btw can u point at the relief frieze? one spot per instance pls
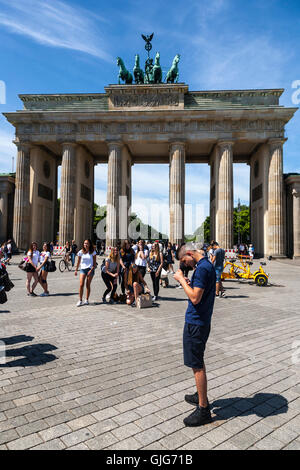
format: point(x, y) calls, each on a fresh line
point(100, 128)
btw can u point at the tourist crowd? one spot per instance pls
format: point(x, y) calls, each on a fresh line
point(124, 267)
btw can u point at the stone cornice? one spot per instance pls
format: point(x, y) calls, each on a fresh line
point(61, 97)
point(162, 87)
point(229, 93)
point(276, 112)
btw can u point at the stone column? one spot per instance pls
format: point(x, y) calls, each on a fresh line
point(177, 192)
point(114, 187)
point(224, 195)
point(21, 228)
point(67, 193)
point(296, 221)
point(276, 246)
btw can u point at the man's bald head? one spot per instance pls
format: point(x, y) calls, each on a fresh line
point(191, 248)
point(190, 253)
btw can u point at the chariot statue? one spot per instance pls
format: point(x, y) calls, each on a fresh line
point(153, 72)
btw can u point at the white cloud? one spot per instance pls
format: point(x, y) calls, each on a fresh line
point(55, 24)
point(232, 59)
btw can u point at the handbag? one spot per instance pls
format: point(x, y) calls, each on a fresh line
point(6, 282)
point(144, 301)
point(21, 265)
point(3, 296)
point(50, 266)
point(164, 274)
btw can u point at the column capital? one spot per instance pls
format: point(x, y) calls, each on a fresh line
point(276, 142)
point(69, 144)
point(225, 143)
point(177, 145)
point(114, 144)
point(25, 146)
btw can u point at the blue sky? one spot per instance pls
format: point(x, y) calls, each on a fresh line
point(71, 46)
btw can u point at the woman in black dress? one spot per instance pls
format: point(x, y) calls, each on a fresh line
point(169, 257)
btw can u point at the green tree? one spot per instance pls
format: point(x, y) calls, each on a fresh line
point(207, 230)
point(241, 225)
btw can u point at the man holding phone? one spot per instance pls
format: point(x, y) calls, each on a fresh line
point(201, 294)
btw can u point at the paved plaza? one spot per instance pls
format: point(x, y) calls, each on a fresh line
point(112, 376)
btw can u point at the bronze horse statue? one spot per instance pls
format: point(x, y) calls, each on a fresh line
point(123, 72)
point(173, 73)
point(156, 71)
point(137, 71)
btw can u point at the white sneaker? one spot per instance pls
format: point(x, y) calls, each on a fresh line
point(154, 298)
point(86, 302)
point(79, 303)
point(179, 287)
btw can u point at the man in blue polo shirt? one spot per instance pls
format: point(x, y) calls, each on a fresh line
point(201, 294)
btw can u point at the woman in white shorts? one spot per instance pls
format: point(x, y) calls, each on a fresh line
point(87, 260)
point(45, 256)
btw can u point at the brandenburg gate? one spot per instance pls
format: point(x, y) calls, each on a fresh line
point(148, 123)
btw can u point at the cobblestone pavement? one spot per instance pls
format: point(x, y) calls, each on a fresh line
point(111, 377)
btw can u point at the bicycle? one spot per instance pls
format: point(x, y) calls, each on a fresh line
point(65, 264)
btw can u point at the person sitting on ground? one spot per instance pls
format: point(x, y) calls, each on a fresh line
point(110, 274)
point(134, 284)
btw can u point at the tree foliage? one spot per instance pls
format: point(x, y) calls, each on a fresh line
point(241, 225)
